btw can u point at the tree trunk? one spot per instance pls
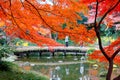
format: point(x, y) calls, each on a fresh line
point(108, 77)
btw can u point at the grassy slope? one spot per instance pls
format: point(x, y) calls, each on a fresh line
point(16, 73)
point(6, 75)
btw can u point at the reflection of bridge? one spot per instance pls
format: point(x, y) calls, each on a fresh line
point(40, 50)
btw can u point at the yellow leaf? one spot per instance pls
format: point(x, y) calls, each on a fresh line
point(2, 24)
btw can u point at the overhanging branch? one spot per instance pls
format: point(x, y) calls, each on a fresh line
point(98, 33)
point(108, 12)
point(115, 53)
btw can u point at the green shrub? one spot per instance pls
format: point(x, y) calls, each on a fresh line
point(6, 66)
point(90, 51)
point(5, 49)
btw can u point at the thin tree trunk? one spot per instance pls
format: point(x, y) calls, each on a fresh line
point(108, 77)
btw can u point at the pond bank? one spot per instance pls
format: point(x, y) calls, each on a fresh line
point(50, 63)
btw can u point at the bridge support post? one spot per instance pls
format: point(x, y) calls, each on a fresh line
point(40, 54)
point(65, 53)
point(76, 54)
point(53, 54)
point(17, 54)
point(27, 55)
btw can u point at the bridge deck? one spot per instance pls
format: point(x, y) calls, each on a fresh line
point(29, 49)
point(58, 48)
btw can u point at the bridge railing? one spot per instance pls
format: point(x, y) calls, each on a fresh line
point(28, 49)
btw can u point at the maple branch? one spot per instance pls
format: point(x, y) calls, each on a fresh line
point(97, 30)
point(49, 12)
point(96, 14)
point(37, 9)
point(101, 1)
point(30, 36)
point(22, 3)
point(98, 33)
point(31, 10)
point(40, 10)
point(14, 20)
point(38, 13)
point(6, 15)
point(115, 53)
point(108, 12)
point(3, 10)
point(42, 17)
point(10, 3)
point(18, 24)
point(60, 15)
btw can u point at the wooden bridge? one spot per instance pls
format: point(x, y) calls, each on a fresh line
point(41, 50)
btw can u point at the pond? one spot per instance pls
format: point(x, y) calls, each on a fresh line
point(70, 68)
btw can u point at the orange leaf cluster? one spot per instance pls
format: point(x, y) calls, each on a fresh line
point(109, 50)
point(79, 34)
point(22, 16)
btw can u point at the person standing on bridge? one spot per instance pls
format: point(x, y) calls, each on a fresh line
point(66, 41)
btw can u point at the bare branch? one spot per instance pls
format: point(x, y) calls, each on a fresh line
point(10, 3)
point(43, 18)
point(3, 10)
point(38, 13)
point(17, 23)
point(96, 14)
point(98, 33)
point(108, 12)
point(22, 3)
point(101, 1)
point(115, 53)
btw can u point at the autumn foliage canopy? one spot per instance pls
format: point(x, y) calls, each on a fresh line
point(109, 50)
point(24, 18)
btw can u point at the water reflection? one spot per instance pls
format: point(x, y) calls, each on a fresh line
point(67, 71)
point(79, 70)
point(85, 77)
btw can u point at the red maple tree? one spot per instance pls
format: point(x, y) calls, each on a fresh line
point(24, 17)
